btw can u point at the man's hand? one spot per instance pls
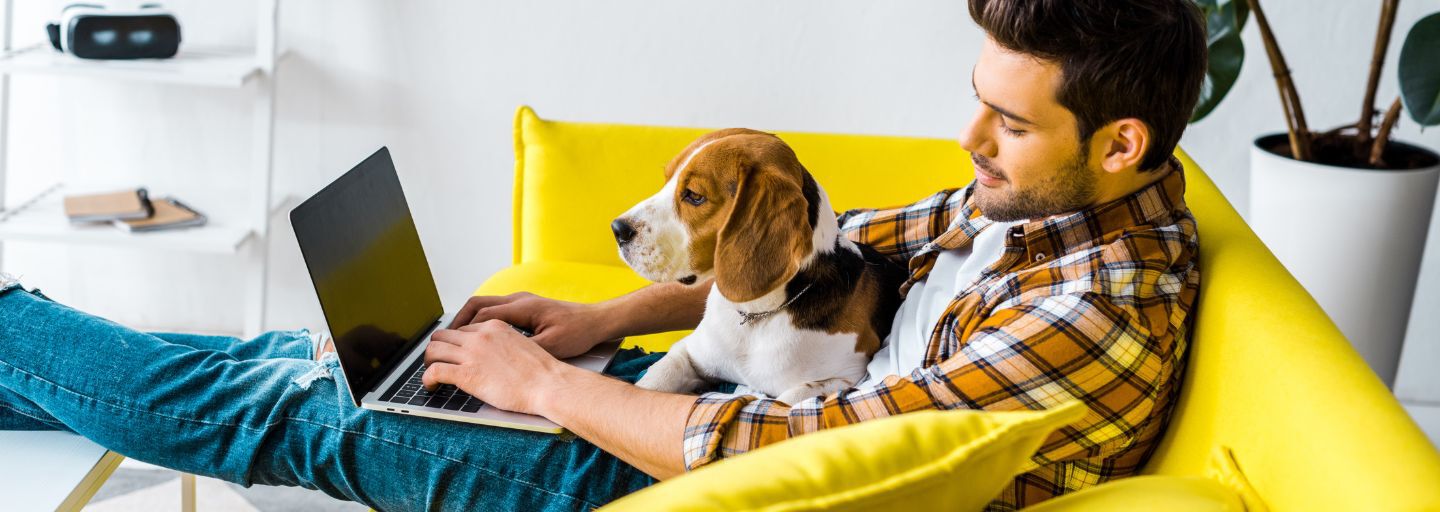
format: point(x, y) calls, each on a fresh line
point(564, 329)
point(493, 363)
point(568, 329)
point(502, 367)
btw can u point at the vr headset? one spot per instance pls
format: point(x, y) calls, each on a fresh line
point(90, 31)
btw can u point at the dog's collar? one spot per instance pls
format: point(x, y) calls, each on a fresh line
point(746, 318)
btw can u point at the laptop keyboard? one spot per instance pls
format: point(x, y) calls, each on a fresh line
point(411, 391)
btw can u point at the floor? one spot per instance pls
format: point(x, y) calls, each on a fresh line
point(137, 487)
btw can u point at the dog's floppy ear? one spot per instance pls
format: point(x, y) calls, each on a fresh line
point(767, 233)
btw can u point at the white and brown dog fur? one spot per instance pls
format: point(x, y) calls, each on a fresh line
point(796, 310)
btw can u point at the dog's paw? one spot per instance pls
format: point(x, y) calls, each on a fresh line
point(800, 393)
point(673, 373)
point(650, 381)
point(813, 389)
point(658, 379)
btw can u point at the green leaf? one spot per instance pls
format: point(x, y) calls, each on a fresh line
point(1420, 71)
point(1224, 19)
point(1226, 57)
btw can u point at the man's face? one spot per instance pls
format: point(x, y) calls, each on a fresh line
point(1029, 161)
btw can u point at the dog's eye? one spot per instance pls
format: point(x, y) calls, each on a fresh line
point(692, 197)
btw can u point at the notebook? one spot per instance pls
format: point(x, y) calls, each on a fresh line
point(110, 206)
point(169, 214)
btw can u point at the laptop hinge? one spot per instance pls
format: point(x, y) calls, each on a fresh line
point(395, 361)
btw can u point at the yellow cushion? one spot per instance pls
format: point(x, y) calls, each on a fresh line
point(952, 460)
point(1168, 493)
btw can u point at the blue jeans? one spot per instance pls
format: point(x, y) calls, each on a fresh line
point(261, 411)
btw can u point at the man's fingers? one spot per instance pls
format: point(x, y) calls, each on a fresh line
point(466, 315)
point(467, 334)
point(440, 373)
point(443, 353)
point(495, 325)
point(450, 336)
point(555, 349)
point(511, 313)
point(466, 312)
point(471, 328)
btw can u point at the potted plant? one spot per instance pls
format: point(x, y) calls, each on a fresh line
point(1346, 210)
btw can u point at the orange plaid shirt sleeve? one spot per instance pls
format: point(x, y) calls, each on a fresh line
point(902, 232)
point(1091, 306)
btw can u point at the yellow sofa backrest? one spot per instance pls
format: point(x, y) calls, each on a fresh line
point(572, 179)
point(1270, 381)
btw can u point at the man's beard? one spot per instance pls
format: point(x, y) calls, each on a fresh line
point(1071, 188)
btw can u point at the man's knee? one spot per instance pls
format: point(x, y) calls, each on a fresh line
point(324, 369)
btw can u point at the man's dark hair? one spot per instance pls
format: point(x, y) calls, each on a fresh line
point(1133, 58)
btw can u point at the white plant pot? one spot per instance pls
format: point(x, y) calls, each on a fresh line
point(1353, 237)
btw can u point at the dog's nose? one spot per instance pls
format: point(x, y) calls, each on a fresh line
point(623, 231)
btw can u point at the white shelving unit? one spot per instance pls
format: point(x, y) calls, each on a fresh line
point(41, 219)
point(215, 69)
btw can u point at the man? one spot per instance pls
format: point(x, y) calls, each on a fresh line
point(1066, 271)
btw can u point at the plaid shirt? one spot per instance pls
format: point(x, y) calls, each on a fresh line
point(1092, 305)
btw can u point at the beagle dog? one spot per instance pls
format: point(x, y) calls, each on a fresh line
point(797, 310)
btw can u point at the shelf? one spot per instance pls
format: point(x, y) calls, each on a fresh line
point(42, 219)
point(209, 68)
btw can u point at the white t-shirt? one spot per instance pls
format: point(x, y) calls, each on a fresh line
point(955, 270)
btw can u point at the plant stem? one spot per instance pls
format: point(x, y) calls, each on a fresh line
point(1289, 97)
point(1378, 148)
point(1336, 131)
point(1377, 61)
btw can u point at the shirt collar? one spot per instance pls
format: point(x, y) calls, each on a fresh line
point(1047, 238)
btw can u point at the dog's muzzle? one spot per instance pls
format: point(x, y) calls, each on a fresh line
point(624, 232)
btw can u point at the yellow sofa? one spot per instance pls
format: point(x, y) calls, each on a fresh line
point(1276, 406)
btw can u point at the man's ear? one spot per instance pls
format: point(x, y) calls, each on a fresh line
point(1122, 144)
point(766, 235)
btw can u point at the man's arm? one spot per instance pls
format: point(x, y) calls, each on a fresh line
point(660, 307)
point(507, 370)
point(899, 232)
point(643, 428)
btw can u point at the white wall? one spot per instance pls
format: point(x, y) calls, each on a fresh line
point(438, 83)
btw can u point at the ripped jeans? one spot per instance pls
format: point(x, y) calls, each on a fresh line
point(261, 411)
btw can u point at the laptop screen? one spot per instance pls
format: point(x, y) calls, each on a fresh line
point(368, 268)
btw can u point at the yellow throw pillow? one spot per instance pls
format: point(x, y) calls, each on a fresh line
point(950, 460)
point(1225, 469)
point(1150, 492)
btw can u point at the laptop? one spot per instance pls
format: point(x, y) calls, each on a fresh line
point(380, 302)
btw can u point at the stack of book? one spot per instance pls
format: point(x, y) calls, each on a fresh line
point(132, 210)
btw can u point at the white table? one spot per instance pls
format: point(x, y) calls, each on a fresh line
point(51, 470)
